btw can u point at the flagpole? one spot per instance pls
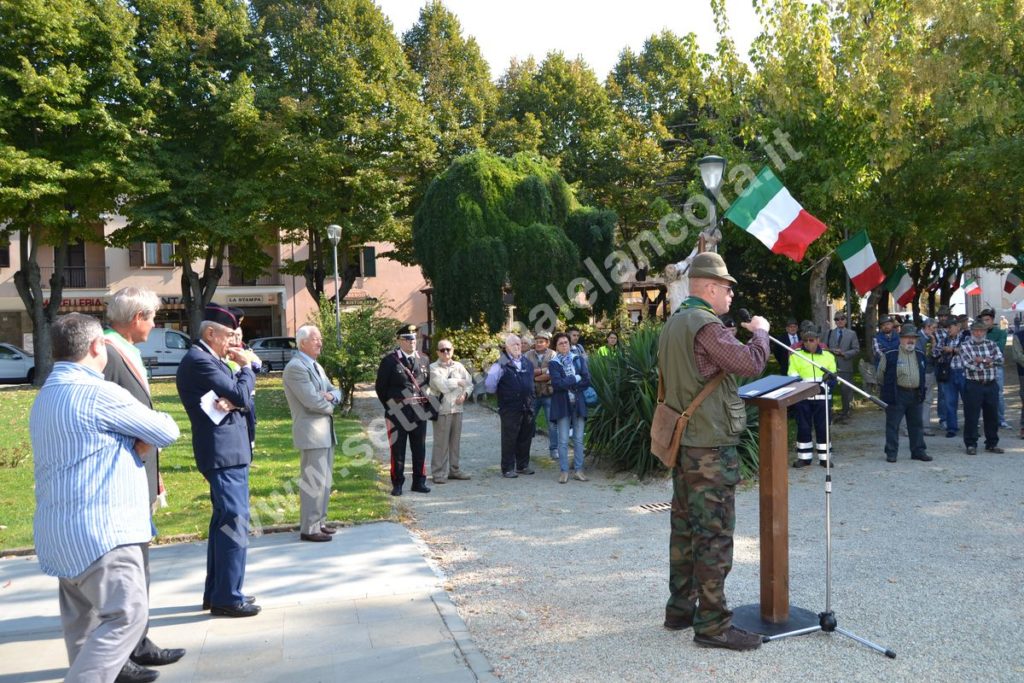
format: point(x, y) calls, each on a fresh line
point(817, 262)
point(849, 304)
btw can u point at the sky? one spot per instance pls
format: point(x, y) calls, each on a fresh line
point(597, 30)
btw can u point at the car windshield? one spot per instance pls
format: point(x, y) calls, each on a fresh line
point(18, 349)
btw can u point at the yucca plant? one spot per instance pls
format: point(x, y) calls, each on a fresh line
point(618, 432)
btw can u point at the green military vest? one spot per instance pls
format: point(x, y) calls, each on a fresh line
point(722, 416)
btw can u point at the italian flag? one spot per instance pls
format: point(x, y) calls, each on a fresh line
point(860, 263)
point(768, 211)
point(971, 287)
point(901, 286)
point(1015, 277)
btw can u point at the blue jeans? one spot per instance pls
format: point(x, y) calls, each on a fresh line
point(950, 396)
point(544, 403)
point(563, 442)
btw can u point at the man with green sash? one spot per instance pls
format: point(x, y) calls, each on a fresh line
point(130, 315)
point(693, 350)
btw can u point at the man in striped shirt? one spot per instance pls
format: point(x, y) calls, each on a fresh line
point(89, 438)
point(981, 357)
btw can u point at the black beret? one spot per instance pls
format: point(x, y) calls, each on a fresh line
point(220, 315)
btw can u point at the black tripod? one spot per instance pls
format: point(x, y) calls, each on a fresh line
point(827, 620)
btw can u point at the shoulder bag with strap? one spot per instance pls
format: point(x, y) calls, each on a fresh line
point(668, 426)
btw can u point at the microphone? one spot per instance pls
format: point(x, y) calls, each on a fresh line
point(743, 315)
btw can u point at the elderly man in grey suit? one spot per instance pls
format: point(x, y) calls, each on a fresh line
point(312, 401)
point(845, 346)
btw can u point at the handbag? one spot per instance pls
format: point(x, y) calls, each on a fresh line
point(668, 425)
point(590, 397)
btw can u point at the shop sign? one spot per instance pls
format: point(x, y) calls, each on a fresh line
point(250, 299)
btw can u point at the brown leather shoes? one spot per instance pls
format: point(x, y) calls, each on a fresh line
point(329, 530)
point(315, 538)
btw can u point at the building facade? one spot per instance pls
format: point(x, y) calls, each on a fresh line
point(275, 303)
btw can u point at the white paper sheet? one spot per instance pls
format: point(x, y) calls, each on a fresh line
point(209, 405)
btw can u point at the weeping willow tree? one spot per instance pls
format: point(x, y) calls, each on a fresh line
point(490, 224)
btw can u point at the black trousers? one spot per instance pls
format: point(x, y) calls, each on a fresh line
point(417, 440)
point(981, 399)
point(517, 427)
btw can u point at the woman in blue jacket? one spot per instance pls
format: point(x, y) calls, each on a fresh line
point(569, 378)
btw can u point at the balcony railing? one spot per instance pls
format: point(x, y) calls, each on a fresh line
point(236, 277)
point(78, 277)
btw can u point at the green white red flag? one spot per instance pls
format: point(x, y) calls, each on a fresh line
point(971, 287)
point(1015, 277)
point(901, 285)
point(860, 263)
point(768, 211)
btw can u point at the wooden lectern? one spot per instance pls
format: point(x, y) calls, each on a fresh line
point(774, 615)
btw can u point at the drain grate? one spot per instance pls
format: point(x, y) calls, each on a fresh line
point(654, 507)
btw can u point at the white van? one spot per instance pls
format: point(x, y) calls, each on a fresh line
point(164, 350)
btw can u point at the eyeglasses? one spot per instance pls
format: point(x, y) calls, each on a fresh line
point(445, 350)
point(727, 287)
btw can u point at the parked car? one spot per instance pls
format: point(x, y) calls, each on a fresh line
point(163, 351)
point(16, 364)
point(274, 352)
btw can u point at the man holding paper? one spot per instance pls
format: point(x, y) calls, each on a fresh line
point(214, 399)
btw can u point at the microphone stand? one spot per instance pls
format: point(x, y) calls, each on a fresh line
point(827, 620)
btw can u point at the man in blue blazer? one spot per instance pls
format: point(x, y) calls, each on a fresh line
point(221, 446)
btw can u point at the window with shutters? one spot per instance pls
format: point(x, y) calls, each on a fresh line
point(364, 259)
point(5, 256)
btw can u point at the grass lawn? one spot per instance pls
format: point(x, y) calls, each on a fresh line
point(357, 496)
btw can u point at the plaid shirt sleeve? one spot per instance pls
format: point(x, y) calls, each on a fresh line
point(972, 353)
point(716, 348)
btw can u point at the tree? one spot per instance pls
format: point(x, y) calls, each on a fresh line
point(456, 87)
point(196, 58)
point(489, 223)
point(345, 134)
point(71, 112)
point(567, 101)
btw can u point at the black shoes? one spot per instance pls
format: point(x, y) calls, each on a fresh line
point(890, 458)
point(972, 450)
point(240, 610)
point(160, 657)
point(133, 673)
point(247, 599)
point(525, 470)
point(994, 449)
point(316, 538)
point(509, 475)
point(924, 457)
point(731, 639)
point(421, 488)
point(801, 463)
point(677, 623)
point(396, 490)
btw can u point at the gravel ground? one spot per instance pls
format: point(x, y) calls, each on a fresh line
point(568, 582)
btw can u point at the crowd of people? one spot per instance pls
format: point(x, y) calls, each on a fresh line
point(97, 440)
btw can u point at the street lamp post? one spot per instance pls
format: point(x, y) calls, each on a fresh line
point(334, 235)
point(712, 170)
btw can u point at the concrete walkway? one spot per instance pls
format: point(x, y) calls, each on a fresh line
point(365, 607)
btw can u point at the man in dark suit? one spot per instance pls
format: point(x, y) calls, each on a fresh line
point(792, 338)
point(402, 379)
point(214, 399)
point(130, 314)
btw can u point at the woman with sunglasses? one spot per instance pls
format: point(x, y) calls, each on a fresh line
point(569, 377)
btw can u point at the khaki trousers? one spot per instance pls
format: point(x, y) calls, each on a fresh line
point(444, 458)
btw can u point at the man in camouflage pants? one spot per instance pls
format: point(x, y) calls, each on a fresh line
point(693, 348)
